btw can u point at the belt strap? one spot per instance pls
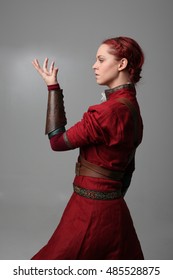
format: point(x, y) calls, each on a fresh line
point(86, 168)
point(134, 113)
point(97, 195)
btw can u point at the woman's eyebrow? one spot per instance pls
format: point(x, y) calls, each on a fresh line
point(100, 56)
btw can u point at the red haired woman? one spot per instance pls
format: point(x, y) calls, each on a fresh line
point(96, 223)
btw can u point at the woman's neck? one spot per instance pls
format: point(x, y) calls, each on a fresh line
point(122, 79)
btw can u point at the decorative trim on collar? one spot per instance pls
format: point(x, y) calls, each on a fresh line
point(113, 90)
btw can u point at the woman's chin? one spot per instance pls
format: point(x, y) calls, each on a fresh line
point(100, 83)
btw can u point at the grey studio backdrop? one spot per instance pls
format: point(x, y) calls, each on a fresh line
point(35, 182)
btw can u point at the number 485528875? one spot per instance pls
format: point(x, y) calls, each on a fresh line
point(139, 270)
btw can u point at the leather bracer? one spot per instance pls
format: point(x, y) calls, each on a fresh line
point(56, 117)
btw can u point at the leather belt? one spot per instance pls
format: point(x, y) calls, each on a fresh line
point(97, 195)
point(86, 168)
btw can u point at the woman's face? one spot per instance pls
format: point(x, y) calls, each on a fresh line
point(106, 67)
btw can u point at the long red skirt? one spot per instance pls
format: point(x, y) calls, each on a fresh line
point(93, 230)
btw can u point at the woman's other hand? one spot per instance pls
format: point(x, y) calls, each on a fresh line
point(49, 76)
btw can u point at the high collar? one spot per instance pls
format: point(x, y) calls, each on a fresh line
point(128, 86)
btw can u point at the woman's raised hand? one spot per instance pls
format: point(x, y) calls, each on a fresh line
point(48, 75)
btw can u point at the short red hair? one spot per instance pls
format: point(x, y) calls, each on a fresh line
point(125, 47)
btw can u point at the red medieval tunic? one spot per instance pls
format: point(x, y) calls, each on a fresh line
point(99, 229)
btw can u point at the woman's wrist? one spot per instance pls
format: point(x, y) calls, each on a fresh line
point(53, 87)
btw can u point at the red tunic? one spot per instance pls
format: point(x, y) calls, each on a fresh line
point(99, 229)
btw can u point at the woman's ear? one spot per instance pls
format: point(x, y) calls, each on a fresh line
point(123, 64)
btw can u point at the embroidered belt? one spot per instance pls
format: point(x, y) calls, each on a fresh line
point(97, 195)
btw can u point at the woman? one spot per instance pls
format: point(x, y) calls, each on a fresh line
point(96, 223)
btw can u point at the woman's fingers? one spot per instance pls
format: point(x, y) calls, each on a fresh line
point(36, 64)
point(51, 67)
point(49, 76)
point(45, 63)
point(55, 71)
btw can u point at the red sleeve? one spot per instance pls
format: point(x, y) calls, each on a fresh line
point(58, 143)
point(84, 132)
point(53, 87)
point(99, 125)
point(95, 128)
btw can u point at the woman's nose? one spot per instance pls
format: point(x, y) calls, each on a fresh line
point(94, 66)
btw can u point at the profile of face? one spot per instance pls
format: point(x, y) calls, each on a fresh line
point(108, 69)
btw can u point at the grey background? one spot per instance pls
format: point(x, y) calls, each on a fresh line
point(35, 182)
